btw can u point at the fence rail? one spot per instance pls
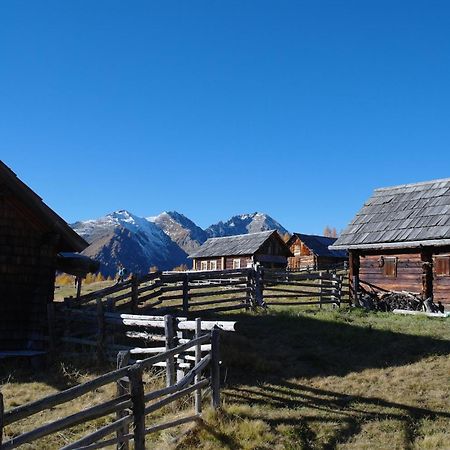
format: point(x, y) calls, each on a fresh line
point(217, 291)
point(132, 403)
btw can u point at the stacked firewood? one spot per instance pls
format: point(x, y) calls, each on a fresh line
point(388, 301)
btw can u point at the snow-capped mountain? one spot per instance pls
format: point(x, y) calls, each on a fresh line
point(180, 229)
point(163, 241)
point(245, 223)
point(122, 237)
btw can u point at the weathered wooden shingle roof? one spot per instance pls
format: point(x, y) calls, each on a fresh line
point(408, 215)
point(319, 245)
point(242, 244)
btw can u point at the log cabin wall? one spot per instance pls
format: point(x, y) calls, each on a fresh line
point(303, 258)
point(408, 275)
point(27, 274)
point(441, 276)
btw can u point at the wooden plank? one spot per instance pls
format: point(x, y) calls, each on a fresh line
point(218, 301)
point(23, 411)
point(225, 308)
point(198, 356)
point(177, 395)
point(122, 388)
point(299, 303)
point(172, 423)
point(85, 441)
point(170, 334)
point(208, 325)
point(215, 368)
point(216, 293)
point(137, 399)
point(88, 414)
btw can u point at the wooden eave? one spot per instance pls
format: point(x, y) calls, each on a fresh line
point(393, 245)
point(69, 240)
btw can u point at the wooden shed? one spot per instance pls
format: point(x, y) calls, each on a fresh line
point(241, 251)
point(312, 252)
point(31, 236)
point(400, 240)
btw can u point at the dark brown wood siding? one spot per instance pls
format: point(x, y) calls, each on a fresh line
point(243, 260)
point(27, 274)
point(409, 272)
point(441, 283)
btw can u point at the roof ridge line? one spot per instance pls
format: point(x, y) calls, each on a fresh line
point(420, 183)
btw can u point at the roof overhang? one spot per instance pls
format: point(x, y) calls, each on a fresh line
point(392, 245)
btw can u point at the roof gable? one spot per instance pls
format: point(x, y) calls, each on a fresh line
point(69, 239)
point(319, 245)
point(242, 244)
point(405, 215)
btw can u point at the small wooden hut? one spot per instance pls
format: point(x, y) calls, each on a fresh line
point(312, 252)
point(400, 240)
point(31, 236)
point(241, 251)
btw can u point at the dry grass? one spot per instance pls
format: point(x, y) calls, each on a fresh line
point(330, 379)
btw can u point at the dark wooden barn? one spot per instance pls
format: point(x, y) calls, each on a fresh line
point(312, 252)
point(400, 240)
point(31, 236)
point(241, 251)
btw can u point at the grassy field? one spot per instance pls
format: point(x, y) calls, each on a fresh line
point(297, 379)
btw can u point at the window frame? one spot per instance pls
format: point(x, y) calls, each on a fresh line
point(211, 263)
point(238, 261)
point(390, 259)
point(444, 258)
point(204, 265)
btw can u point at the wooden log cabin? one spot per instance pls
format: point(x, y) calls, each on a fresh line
point(31, 237)
point(241, 251)
point(312, 252)
point(400, 240)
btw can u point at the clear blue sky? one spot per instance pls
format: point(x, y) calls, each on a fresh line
point(213, 108)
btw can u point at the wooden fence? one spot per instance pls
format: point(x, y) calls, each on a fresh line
point(299, 288)
point(103, 333)
point(187, 291)
point(132, 404)
point(217, 291)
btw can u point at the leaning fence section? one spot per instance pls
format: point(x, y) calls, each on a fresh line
point(132, 412)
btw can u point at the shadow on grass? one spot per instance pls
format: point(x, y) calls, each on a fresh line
point(319, 405)
point(283, 346)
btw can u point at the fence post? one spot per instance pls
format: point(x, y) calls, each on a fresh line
point(134, 294)
point(259, 286)
point(198, 357)
point(340, 281)
point(123, 386)
point(250, 289)
point(215, 368)
point(137, 398)
point(185, 293)
point(2, 410)
point(100, 331)
point(170, 365)
point(320, 289)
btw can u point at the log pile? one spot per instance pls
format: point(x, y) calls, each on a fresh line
point(390, 300)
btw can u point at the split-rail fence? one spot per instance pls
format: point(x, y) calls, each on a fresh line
point(132, 404)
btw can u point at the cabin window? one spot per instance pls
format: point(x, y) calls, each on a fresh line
point(236, 263)
point(213, 265)
point(442, 266)
point(297, 250)
point(390, 266)
point(249, 263)
point(204, 265)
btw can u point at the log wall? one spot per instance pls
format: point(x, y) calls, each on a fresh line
point(409, 272)
point(27, 273)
